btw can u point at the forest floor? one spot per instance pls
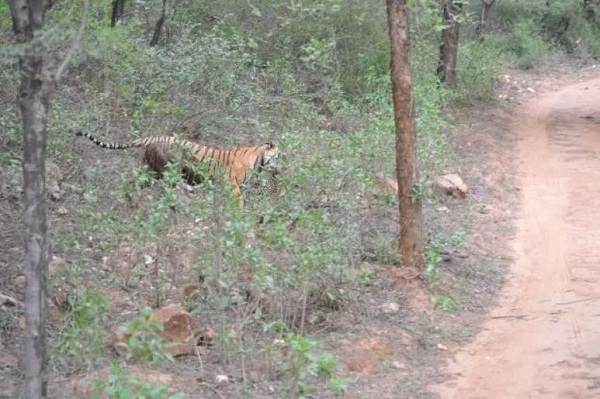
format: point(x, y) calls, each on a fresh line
point(532, 164)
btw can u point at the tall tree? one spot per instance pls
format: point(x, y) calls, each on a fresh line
point(118, 7)
point(37, 82)
point(486, 5)
point(28, 17)
point(411, 243)
point(446, 70)
point(159, 24)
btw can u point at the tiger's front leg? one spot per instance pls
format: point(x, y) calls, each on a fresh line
point(237, 195)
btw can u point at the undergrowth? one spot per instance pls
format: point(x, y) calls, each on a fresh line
point(314, 77)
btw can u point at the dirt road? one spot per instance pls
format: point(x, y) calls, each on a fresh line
point(543, 340)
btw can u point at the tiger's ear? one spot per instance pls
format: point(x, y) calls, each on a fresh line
point(270, 145)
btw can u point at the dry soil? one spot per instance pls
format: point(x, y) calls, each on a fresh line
point(543, 340)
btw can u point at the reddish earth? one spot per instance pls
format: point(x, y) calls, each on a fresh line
point(543, 340)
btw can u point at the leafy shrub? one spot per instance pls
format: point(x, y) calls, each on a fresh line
point(479, 65)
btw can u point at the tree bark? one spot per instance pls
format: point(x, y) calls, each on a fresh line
point(446, 70)
point(159, 25)
point(118, 7)
point(34, 97)
point(589, 8)
point(411, 244)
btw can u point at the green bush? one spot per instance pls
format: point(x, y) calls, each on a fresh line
point(530, 28)
point(524, 44)
point(479, 65)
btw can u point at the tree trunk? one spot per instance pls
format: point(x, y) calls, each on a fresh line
point(449, 48)
point(411, 224)
point(34, 97)
point(118, 7)
point(486, 5)
point(159, 25)
point(589, 8)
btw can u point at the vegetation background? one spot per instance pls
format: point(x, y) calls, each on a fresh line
point(290, 286)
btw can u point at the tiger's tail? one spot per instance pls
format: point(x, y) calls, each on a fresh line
point(112, 146)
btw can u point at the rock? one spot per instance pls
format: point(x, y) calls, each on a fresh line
point(179, 330)
point(20, 281)
point(452, 184)
point(484, 209)
point(206, 336)
point(54, 191)
point(390, 307)
point(221, 379)
point(398, 365)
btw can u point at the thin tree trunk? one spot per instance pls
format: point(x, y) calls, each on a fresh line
point(449, 48)
point(486, 5)
point(589, 8)
point(411, 225)
point(118, 7)
point(159, 25)
point(34, 102)
point(34, 97)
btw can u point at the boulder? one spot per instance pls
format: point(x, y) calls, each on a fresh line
point(452, 184)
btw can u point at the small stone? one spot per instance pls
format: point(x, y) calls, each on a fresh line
point(398, 365)
point(442, 347)
point(54, 191)
point(222, 379)
point(90, 199)
point(484, 209)
point(452, 184)
point(390, 307)
point(20, 281)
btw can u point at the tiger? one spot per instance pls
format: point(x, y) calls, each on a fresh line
point(238, 163)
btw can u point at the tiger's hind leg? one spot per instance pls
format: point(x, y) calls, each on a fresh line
point(156, 159)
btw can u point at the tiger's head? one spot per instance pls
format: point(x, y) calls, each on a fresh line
point(270, 153)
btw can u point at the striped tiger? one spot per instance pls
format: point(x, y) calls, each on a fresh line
point(160, 151)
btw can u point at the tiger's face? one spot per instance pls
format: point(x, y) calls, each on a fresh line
point(271, 153)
